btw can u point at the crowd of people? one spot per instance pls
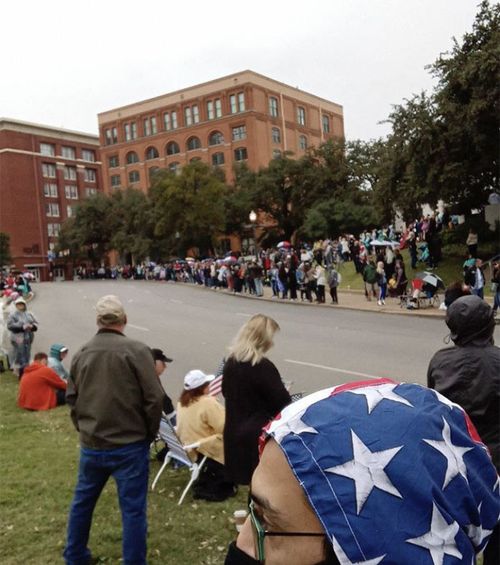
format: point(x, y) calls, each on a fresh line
point(333, 477)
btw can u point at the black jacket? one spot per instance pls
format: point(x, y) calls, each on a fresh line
point(254, 395)
point(469, 373)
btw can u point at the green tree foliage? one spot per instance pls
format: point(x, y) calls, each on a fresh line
point(188, 208)
point(5, 255)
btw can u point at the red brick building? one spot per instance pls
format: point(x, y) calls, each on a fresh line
point(44, 173)
point(241, 117)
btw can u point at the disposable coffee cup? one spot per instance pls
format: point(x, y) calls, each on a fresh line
point(239, 518)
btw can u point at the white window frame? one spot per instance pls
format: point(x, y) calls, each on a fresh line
point(71, 192)
point(48, 149)
point(50, 189)
point(49, 170)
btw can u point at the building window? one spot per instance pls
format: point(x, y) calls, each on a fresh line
point(113, 161)
point(326, 123)
point(276, 154)
point(154, 127)
point(53, 230)
point(68, 152)
point(302, 142)
point(91, 191)
point(88, 155)
point(50, 189)
point(115, 181)
point(273, 107)
point(276, 135)
point(152, 153)
point(196, 114)
point(150, 126)
point(110, 136)
point(152, 171)
point(241, 101)
point(49, 170)
point(193, 143)
point(70, 211)
point(216, 138)
point(232, 104)
point(130, 131)
point(173, 148)
point(218, 108)
point(89, 175)
point(47, 149)
point(131, 158)
point(71, 192)
point(174, 120)
point(69, 173)
point(217, 159)
point(133, 176)
point(52, 209)
point(210, 110)
point(173, 167)
point(188, 116)
point(240, 154)
point(239, 133)
point(147, 127)
point(167, 124)
point(301, 116)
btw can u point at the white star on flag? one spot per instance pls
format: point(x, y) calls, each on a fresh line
point(445, 400)
point(454, 455)
point(293, 425)
point(342, 557)
point(440, 539)
point(366, 469)
point(375, 394)
point(476, 533)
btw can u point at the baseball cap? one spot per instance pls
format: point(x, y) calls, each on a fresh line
point(110, 310)
point(158, 355)
point(196, 378)
point(20, 300)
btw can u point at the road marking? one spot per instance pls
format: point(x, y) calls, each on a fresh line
point(335, 369)
point(242, 314)
point(138, 328)
point(175, 301)
point(130, 300)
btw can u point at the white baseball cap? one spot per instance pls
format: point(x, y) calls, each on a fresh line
point(196, 378)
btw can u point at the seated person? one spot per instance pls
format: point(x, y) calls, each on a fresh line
point(40, 387)
point(57, 353)
point(370, 472)
point(201, 418)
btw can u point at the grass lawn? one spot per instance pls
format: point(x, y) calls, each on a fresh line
point(39, 455)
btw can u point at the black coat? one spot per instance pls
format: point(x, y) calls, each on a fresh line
point(469, 373)
point(254, 395)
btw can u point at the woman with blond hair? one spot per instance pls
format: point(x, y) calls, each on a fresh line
point(254, 394)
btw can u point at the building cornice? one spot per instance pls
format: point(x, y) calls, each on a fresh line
point(48, 131)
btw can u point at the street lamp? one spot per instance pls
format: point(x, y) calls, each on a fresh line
point(253, 219)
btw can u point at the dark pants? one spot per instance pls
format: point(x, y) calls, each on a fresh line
point(213, 484)
point(129, 466)
point(491, 555)
point(320, 293)
point(60, 397)
point(333, 294)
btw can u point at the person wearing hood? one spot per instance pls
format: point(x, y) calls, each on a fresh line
point(371, 472)
point(22, 325)
point(469, 375)
point(57, 354)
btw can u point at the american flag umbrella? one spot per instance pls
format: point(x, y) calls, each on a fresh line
point(430, 278)
point(284, 244)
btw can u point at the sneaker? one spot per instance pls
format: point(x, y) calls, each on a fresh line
point(379, 302)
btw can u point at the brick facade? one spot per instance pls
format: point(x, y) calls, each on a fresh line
point(44, 173)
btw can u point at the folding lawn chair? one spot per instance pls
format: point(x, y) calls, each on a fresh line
point(178, 452)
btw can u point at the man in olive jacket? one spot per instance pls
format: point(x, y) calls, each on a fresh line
point(116, 402)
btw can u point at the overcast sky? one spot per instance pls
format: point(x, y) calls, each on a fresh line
point(65, 61)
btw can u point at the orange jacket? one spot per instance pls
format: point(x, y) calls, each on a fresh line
point(37, 389)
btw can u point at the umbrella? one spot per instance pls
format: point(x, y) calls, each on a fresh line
point(231, 259)
point(430, 278)
point(190, 259)
point(380, 243)
point(284, 244)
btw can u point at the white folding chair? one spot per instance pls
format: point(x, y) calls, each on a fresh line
point(178, 452)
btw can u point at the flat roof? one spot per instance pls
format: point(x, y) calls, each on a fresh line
point(204, 88)
point(48, 131)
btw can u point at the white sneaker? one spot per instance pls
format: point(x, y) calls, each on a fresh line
point(379, 302)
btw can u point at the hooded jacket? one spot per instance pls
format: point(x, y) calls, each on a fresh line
point(55, 361)
point(469, 373)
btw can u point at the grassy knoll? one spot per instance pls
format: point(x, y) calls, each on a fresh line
point(38, 462)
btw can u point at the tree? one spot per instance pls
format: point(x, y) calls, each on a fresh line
point(5, 255)
point(188, 208)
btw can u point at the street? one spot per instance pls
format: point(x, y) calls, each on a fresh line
point(316, 347)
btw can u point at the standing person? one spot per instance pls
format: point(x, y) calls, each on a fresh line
point(200, 418)
point(160, 361)
point(333, 283)
point(382, 283)
point(320, 276)
point(254, 393)
point(495, 286)
point(478, 285)
point(116, 403)
point(22, 325)
point(401, 278)
point(468, 374)
point(412, 247)
point(370, 278)
point(57, 354)
point(472, 242)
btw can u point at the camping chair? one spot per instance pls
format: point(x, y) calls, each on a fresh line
point(178, 452)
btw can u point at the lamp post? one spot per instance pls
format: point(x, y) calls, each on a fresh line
point(253, 219)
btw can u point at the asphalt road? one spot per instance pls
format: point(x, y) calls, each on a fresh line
point(317, 347)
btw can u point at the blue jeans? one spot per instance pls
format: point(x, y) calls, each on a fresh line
point(129, 466)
